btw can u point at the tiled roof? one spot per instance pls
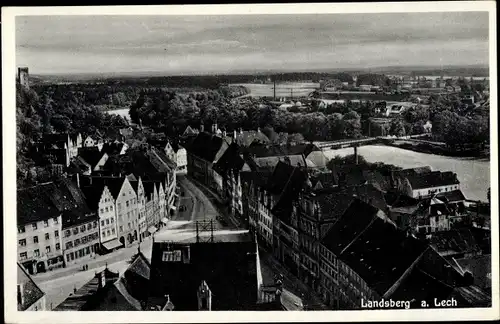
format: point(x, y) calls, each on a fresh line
point(323, 180)
point(34, 205)
point(432, 179)
point(353, 221)
point(91, 155)
point(230, 160)
point(31, 292)
point(396, 200)
point(454, 241)
point(381, 254)
point(287, 182)
point(452, 196)
point(89, 296)
point(48, 200)
point(207, 146)
point(480, 268)
point(232, 279)
point(245, 138)
point(420, 286)
point(114, 184)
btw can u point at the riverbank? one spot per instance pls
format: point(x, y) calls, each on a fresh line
point(437, 149)
point(473, 173)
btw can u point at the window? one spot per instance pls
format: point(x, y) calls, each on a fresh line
point(56, 221)
point(47, 249)
point(111, 208)
point(56, 233)
point(84, 240)
point(129, 227)
point(21, 229)
point(102, 222)
point(72, 255)
point(112, 220)
point(121, 228)
point(103, 234)
point(109, 232)
point(35, 239)
point(95, 224)
point(69, 245)
point(58, 246)
point(67, 257)
point(36, 253)
point(89, 227)
point(82, 228)
point(47, 236)
point(87, 250)
point(75, 230)
point(22, 242)
point(102, 210)
point(107, 221)
point(126, 203)
point(113, 230)
point(23, 255)
point(35, 226)
point(46, 223)
point(77, 242)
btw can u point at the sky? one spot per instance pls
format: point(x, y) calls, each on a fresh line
point(221, 44)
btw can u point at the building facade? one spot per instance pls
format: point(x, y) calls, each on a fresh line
point(80, 239)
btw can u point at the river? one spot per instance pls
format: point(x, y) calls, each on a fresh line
point(474, 174)
point(121, 112)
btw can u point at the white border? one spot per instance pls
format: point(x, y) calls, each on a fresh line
point(9, 167)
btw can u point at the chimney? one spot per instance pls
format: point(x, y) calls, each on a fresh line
point(224, 133)
point(241, 130)
point(234, 135)
point(258, 129)
point(20, 294)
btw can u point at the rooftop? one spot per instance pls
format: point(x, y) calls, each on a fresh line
point(31, 292)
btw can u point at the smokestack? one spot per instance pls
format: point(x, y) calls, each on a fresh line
point(20, 294)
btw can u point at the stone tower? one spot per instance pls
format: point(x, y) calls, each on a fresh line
point(23, 76)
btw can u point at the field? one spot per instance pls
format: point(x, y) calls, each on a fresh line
point(297, 89)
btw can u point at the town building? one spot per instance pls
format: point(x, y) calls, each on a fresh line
point(184, 276)
point(366, 257)
point(61, 146)
point(39, 221)
point(423, 182)
point(202, 154)
point(80, 236)
point(23, 77)
point(29, 296)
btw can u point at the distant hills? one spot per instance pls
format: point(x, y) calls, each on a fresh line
point(454, 70)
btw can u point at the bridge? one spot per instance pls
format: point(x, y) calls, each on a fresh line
point(369, 140)
point(346, 143)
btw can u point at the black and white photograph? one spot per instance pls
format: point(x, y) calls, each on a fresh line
point(313, 158)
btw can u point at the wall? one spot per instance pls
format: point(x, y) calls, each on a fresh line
point(81, 243)
point(52, 227)
point(428, 191)
point(141, 210)
point(107, 217)
point(126, 210)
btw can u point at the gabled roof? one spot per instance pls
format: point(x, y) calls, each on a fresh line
point(381, 254)
point(114, 184)
point(207, 146)
point(236, 264)
point(245, 138)
point(31, 292)
point(451, 196)
point(113, 148)
point(480, 268)
point(93, 195)
point(90, 295)
point(91, 155)
point(454, 241)
point(230, 160)
point(432, 179)
point(189, 131)
point(287, 182)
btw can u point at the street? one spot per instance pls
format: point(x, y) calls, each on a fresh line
point(58, 284)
